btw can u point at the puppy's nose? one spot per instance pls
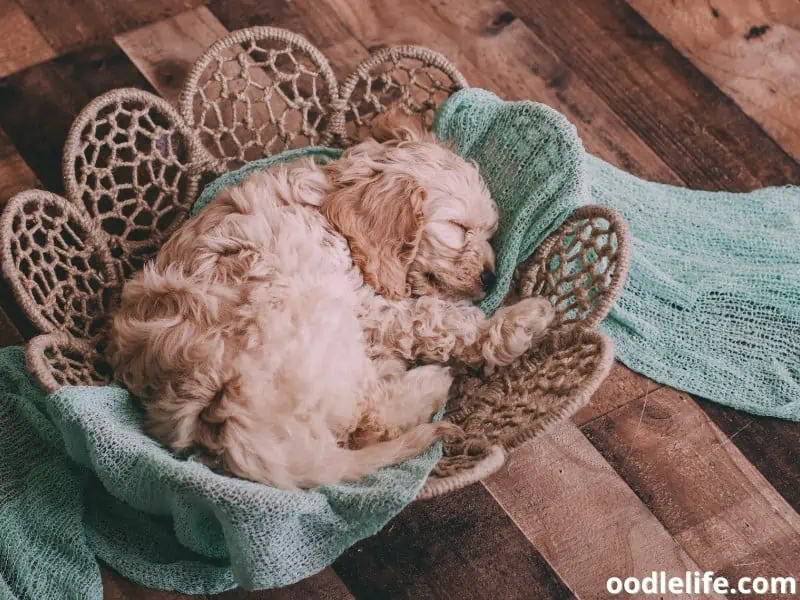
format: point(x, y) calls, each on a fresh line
point(488, 279)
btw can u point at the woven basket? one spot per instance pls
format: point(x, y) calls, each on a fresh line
point(134, 165)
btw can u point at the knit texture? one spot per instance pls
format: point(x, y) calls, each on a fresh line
point(712, 301)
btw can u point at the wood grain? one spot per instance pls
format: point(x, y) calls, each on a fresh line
point(620, 387)
point(720, 509)
point(71, 25)
point(22, 45)
point(307, 17)
point(697, 130)
point(165, 51)
point(581, 516)
point(751, 50)
point(771, 445)
point(38, 105)
point(15, 174)
point(448, 548)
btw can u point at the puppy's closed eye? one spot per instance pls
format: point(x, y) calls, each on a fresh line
point(449, 233)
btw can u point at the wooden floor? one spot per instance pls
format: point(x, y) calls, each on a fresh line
point(703, 93)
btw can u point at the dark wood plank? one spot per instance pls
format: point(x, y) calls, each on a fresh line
point(22, 45)
point(77, 23)
point(456, 546)
point(704, 491)
point(582, 516)
point(15, 174)
point(772, 445)
point(659, 94)
point(38, 105)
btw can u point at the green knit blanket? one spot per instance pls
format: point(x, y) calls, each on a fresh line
point(712, 306)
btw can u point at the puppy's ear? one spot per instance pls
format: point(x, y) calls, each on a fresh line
point(394, 124)
point(382, 221)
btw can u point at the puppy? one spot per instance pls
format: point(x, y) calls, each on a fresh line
point(277, 331)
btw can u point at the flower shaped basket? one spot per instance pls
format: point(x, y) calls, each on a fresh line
point(134, 165)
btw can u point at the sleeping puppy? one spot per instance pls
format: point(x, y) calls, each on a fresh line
point(277, 331)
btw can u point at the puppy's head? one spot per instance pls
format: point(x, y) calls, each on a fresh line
point(418, 217)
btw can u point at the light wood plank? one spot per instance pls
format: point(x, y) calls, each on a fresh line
point(582, 517)
point(22, 44)
point(165, 51)
point(716, 504)
point(751, 50)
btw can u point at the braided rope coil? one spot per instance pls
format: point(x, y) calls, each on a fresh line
point(133, 166)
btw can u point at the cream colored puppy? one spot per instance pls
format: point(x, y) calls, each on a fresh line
point(277, 331)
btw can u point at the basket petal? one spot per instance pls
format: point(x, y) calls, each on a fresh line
point(134, 166)
point(257, 92)
point(502, 411)
point(57, 359)
point(581, 267)
point(416, 77)
point(58, 264)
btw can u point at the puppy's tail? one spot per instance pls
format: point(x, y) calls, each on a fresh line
point(333, 464)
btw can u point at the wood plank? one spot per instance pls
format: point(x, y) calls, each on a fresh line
point(164, 52)
point(751, 50)
point(581, 516)
point(9, 334)
point(443, 547)
point(71, 25)
point(22, 45)
point(697, 130)
point(38, 105)
point(15, 174)
point(717, 505)
point(322, 28)
point(504, 56)
point(771, 445)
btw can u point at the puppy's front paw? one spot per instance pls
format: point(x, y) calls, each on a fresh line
point(516, 328)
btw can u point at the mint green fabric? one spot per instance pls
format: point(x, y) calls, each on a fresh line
point(712, 302)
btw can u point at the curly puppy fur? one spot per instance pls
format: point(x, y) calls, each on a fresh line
point(277, 331)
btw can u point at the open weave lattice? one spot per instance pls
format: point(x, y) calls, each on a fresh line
point(132, 170)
